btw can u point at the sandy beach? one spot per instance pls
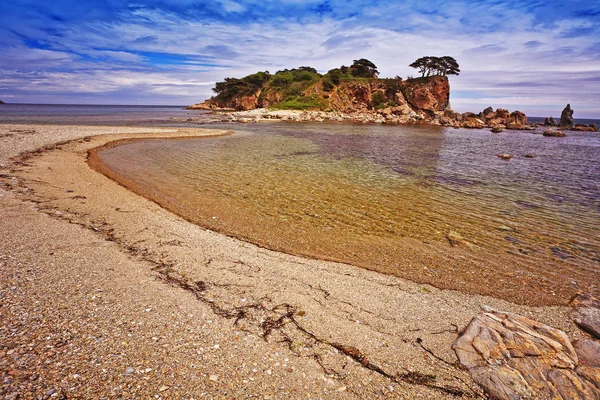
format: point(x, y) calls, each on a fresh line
point(104, 294)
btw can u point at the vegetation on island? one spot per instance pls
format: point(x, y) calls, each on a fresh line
point(429, 65)
point(295, 88)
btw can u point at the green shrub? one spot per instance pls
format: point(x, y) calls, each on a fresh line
point(378, 100)
point(328, 86)
point(301, 103)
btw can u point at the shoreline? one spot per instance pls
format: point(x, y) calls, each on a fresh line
point(241, 288)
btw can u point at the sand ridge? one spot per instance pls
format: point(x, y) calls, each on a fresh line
point(270, 325)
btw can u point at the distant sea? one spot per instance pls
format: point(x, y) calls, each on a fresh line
point(122, 115)
point(96, 114)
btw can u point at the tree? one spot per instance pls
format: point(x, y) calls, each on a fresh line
point(364, 68)
point(428, 66)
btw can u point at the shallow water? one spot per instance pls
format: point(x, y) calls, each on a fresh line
point(431, 204)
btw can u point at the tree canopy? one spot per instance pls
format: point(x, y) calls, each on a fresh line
point(429, 65)
point(363, 68)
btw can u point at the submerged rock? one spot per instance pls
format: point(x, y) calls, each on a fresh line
point(566, 117)
point(504, 156)
point(513, 357)
point(553, 133)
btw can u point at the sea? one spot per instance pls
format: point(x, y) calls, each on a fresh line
point(427, 203)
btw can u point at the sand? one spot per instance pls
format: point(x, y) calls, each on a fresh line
point(104, 294)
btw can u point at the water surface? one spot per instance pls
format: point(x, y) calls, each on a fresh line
point(430, 204)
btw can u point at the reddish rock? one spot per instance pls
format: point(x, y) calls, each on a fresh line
point(429, 94)
point(504, 156)
point(584, 128)
point(588, 319)
point(472, 122)
point(518, 118)
point(588, 352)
point(553, 133)
point(513, 357)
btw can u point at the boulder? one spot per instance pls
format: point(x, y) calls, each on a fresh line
point(588, 319)
point(594, 127)
point(488, 113)
point(472, 123)
point(497, 129)
point(515, 127)
point(553, 133)
point(550, 121)
point(502, 114)
point(588, 352)
point(566, 117)
point(517, 118)
point(584, 128)
point(504, 156)
point(513, 357)
point(1, 102)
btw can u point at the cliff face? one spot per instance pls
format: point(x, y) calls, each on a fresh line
point(431, 94)
point(424, 95)
point(393, 101)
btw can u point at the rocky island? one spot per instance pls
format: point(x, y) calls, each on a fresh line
point(1, 102)
point(354, 93)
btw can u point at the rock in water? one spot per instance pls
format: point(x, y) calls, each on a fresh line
point(513, 357)
point(550, 121)
point(553, 133)
point(566, 118)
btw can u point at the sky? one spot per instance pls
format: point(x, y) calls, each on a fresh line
point(532, 55)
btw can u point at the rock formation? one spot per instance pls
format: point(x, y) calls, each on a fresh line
point(391, 101)
point(566, 117)
point(586, 314)
point(1, 102)
point(550, 121)
point(513, 357)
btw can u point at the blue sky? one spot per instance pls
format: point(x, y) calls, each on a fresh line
point(535, 56)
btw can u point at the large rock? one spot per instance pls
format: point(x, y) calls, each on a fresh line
point(566, 117)
point(588, 352)
point(586, 313)
point(550, 121)
point(429, 94)
point(513, 357)
point(517, 118)
point(472, 122)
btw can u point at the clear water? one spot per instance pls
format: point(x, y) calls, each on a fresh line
point(431, 204)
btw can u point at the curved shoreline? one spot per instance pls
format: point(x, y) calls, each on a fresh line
point(468, 270)
point(129, 247)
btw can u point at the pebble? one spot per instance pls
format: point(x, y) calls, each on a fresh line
point(129, 371)
point(213, 378)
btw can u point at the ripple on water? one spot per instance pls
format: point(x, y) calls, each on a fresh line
point(385, 198)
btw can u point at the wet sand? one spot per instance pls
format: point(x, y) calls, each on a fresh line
point(116, 282)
